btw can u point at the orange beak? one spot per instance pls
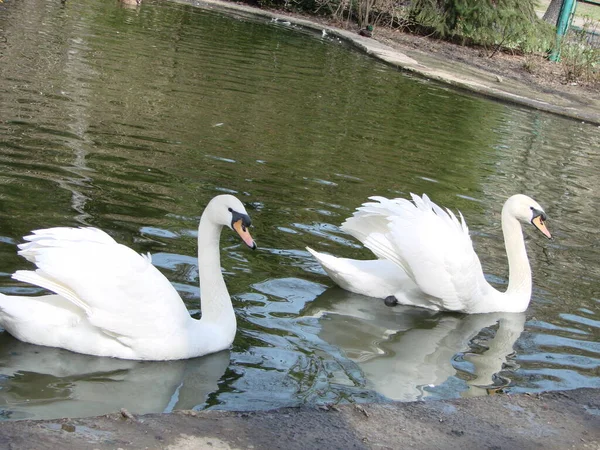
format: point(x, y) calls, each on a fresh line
point(539, 223)
point(241, 229)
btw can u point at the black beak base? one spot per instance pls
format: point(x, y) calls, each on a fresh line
point(236, 216)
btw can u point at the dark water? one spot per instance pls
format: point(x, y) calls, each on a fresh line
point(132, 119)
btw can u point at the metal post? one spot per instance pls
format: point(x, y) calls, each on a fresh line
point(567, 11)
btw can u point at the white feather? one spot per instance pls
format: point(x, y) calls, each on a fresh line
point(111, 301)
point(432, 251)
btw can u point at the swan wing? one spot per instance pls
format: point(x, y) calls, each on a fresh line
point(119, 290)
point(431, 244)
point(370, 225)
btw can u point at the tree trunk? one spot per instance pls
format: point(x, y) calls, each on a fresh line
point(553, 11)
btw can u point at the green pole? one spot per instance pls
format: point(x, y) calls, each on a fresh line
point(567, 11)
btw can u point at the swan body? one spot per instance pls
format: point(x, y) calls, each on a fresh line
point(110, 301)
point(426, 258)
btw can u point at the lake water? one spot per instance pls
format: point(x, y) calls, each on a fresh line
point(132, 119)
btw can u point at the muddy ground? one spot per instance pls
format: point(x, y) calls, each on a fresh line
point(558, 420)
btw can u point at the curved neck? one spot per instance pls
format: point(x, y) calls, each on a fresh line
point(519, 271)
point(215, 302)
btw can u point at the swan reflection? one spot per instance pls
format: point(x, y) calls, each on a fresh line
point(42, 382)
point(402, 351)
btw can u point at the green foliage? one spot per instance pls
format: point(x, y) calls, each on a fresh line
point(491, 23)
point(580, 60)
point(429, 14)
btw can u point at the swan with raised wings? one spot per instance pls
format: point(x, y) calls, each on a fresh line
point(111, 301)
point(426, 258)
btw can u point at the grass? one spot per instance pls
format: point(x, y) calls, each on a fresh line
point(586, 10)
point(583, 11)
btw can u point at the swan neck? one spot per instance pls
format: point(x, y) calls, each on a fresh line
point(519, 271)
point(215, 302)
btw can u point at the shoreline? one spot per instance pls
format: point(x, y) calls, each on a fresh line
point(433, 66)
point(554, 421)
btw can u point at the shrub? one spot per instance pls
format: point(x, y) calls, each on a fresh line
point(510, 24)
point(579, 59)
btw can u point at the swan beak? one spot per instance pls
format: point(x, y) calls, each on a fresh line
point(241, 229)
point(540, 224)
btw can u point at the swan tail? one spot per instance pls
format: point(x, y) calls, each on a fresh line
point(12, 307)
point(374, 278)
point(332, 265)
point(340, 270)
point(41, 320)
point(39, 278)
point(7, 309)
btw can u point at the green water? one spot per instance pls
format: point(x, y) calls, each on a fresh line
point(132, 119)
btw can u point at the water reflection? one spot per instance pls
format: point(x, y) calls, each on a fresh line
point(46, 382)
point(406, 352)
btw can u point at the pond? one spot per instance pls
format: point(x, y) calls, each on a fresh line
point(130, 120)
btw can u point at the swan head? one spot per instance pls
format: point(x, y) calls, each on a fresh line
point(527, 210)
point(226, 210)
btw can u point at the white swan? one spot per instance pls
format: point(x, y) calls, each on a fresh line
point(426, 257)
point(111, 301)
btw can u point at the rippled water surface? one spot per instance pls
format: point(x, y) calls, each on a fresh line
point(132, 119)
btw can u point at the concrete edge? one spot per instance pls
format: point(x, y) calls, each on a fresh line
point(554, 420)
